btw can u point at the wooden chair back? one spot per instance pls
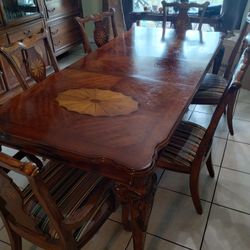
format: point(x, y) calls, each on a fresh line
point(33, 58)
point(229, 95)
point(11, 199)
point(13, 206)
point(102, 28)
point(62, 208)
point(181, 20)
point(233, 55)
point(8, 54)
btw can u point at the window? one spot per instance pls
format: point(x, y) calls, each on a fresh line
point(154, 5)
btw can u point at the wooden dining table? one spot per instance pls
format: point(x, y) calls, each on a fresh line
point(114, 110)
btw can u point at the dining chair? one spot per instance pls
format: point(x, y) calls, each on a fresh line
point(190, 144)
point(35, 65)
point(61, 208)
point(102, 28)
point(181, 21)
point(213, 86)
point(36, 61)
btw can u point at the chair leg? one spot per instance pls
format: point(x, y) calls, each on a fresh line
point(125, 217)
point(15, 240)
point(209, 164)
point(194, 189)
point(230, 108)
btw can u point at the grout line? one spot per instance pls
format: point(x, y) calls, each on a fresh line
point(211, 204)
point(221, 138)
point(113, 220)
point(241, 119)
point(130, 240)
point(236, 170)
point(239, 101)
point(246, 143)
point(192, 111)
point(203, 112)
point(5, 243)
point(181, 193)
point(175, 243)
point(230, 208)
point(158, 182)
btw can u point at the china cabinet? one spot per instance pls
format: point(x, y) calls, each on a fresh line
point(22, 18)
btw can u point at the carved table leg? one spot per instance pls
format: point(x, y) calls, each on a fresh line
point(137, 201)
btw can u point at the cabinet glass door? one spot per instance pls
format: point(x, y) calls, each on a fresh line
point(14, 9)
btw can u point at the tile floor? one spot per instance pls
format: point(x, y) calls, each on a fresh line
point(174, 224)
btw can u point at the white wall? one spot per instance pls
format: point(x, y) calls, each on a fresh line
point(91, 6)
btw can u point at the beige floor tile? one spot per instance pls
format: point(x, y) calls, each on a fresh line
point(180, 182)
point(237, 156)
point(227, 230)
point(209, 109)
point(9, 151)
point(117, 215)
point(233, 190)
point(242, 111)
point(244, 96)
point(4, 246)
point(201, 118)
point(25, 244)
point(154, 243)
point(218, 148)
point(241, 131)
point(187, 115)
point(191, 107)
point(67, 60)
point(204, 119)
point(29, 246)
point(4, 236)
point(159, 173)
point(222, 129)
point(174, 218)
point(111, 236)
point(1, 224)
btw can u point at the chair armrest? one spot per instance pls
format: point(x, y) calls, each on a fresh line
point(32, 158)
point(24, 168)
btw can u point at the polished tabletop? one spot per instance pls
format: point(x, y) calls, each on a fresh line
point(158, 73)
point(161, 73)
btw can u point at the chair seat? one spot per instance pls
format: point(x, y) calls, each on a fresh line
point(183, 145)
point(72, 189)
point(211, 90)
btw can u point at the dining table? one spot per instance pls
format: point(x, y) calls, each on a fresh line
point(113, 111)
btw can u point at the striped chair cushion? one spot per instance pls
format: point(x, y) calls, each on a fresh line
point(71, 189)
point(211, 90)
point(183, 145)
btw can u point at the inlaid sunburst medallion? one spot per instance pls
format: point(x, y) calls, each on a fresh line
point(97, 102)
point(37, 67)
